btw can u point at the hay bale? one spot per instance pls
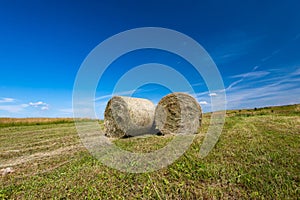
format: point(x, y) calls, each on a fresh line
point(127, 116)
point(178, 113)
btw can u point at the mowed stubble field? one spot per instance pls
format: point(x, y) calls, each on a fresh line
point(256, 157)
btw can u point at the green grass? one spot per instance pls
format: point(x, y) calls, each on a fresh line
point(256, 157)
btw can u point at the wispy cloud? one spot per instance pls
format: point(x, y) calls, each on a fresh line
point(253, 74)
point(198, 84)
point(265, 89)
point(259, 89)
point(7, 100)
point(7, 104)
point(45, 108)
point(296, 73)
point(271, 56)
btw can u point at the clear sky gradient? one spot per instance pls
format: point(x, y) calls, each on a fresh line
point(255, 45)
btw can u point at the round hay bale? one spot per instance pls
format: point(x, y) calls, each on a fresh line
point(178, 113)
point(127, 116)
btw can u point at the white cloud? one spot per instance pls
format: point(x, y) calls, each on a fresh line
point(22, 109)
point(7, 100)
point(36, 104)
point(203, 102)
point(213, 94)
point(41, 105)
point(45, 108)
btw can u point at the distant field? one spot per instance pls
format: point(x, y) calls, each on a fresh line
point(256, 157)
point(5, 122)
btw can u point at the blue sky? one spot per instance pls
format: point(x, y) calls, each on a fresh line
point(255, 45)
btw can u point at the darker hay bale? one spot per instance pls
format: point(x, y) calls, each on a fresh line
point(127, 116)
point(178, 113)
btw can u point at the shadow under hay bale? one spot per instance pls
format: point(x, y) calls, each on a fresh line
point(127, 116)
point(178, 113)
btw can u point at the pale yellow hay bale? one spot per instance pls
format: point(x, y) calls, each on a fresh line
point(127, 116)
point(178, 113)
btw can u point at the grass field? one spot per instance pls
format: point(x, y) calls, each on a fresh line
point(256, 157)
